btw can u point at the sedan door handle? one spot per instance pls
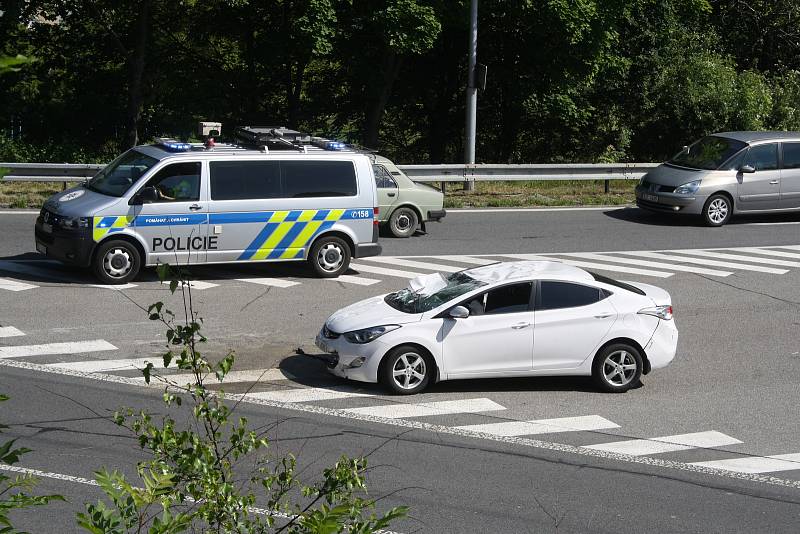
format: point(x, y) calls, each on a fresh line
point(520, 326)
point(391, 194)
point(774, 182)
point(607, 315)
point(195, 207)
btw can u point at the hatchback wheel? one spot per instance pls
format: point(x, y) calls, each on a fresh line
point(116, 262)
point(403, 222)
point(329, 257)
point(717, 210)
point(617, 368)
point(407, 370)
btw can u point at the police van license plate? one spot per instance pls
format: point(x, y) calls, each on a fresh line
point(651, 198)
point(41, 248)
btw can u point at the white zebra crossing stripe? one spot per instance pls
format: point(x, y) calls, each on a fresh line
point(769, 252)
point(13, 285)
point(119, 287)
point(250, 375)
point(309, 394)
point(543, 426)
point(680, 442)
point(756, 464)
point(357, 280)
point(427, 409)
point(400, 262)
point(597, 266)
point(73, 347)
point(646, 263)
point(10, 331)
point(384, 271)
point(102, 366)
point(273, 282)
point(465, 259)
point(702, 261)
point(739, 257)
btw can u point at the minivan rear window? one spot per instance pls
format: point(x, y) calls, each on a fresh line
point(318, 179)
point(709, 153)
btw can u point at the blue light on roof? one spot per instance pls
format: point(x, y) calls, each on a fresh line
point(174, 146)
point(333, 145)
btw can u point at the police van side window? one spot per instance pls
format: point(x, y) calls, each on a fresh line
point(178, 182)
point(245, 180)
point(318, 179)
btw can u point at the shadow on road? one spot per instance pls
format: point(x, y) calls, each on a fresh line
point(650, 218)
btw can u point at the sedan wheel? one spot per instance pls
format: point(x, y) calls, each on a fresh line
point(406, 370)
point(403, 222)
point(617, 368)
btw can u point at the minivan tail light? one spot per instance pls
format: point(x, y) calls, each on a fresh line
point(662, 312)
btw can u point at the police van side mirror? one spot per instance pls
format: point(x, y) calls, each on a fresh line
point(148, 195)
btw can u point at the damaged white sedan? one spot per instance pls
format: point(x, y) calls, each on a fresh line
point(527, 318)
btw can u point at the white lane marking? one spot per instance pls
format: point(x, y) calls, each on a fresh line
point(680, 442)
point(13, 285)
point(768, 252)
point(101, 366)
point(592, 265)
point(382, 270)
point(18, 212)
point(646, 263)
point(350, 279)
point(250, 375)
point(543, 426)
point(739, 257)
point(10, 331)
point(274, 282)
point(72, 347)
point(790, 247)
point(309, 394)
point(756, 464)
point(531, 210)
point(440, 429)
point(427, 409)
point(462, 259)
point(702, 261)
point(196, 284)
point(770, 224)
point(414, 264)
point(119, 287)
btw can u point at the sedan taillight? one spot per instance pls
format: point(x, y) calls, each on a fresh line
point(662, 312)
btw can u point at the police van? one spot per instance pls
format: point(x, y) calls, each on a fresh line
point(278, 195)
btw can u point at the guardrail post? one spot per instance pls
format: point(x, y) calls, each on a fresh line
point(606, 186)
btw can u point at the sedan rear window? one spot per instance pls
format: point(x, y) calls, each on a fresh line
point(708, 153)
point(616, 283)
point(408, 301)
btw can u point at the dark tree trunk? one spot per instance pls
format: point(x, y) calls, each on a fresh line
point(136, 64)
point(377, 104)
point(294, 89)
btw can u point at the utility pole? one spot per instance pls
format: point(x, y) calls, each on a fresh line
point(472, 92)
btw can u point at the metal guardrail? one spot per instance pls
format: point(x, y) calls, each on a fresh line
point(480, 172)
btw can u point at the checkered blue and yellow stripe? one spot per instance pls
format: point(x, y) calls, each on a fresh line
point(102, 226)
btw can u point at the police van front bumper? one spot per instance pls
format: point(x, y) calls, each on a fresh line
point(69, 246)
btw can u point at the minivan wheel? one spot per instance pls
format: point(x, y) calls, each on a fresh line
point(717, 210)
point(329, 257)
point(406, 370)
point(116, 262)
point(617, 368)
point(403, 222)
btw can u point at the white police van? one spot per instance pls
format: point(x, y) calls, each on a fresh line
point(282, 196)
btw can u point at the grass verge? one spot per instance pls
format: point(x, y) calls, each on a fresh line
point(24, 195)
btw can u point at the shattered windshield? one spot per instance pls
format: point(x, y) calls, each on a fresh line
point(420, 301)
point(118, 176)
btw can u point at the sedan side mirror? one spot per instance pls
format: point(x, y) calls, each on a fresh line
point(147, 195)
point(459, 312)
point(747, 168)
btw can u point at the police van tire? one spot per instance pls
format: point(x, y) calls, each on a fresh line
point(403, 222)
point(116, 262)
point(329, 257)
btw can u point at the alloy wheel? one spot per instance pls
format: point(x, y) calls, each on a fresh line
point(409, 370)
point(619, 368)
point(718, 211)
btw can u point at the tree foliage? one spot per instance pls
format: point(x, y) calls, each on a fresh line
point(569, 80)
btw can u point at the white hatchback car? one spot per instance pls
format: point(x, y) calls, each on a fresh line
point(527, 318)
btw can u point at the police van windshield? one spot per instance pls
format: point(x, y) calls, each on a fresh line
point(119, 175)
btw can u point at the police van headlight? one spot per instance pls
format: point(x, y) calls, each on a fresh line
point(73, 223)
point(368, 334)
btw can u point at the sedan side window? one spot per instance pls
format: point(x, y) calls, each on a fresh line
point(763, 157)
point(556, 295)
point(383, 180)
point(512, 298)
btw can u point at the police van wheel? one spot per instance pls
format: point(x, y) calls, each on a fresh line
point(403, 222)
point(329, 257)
point(116, 262)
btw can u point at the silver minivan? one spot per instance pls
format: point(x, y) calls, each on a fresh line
point(178, 203)
point(725, 174)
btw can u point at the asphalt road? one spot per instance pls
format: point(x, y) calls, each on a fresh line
point(735, 375)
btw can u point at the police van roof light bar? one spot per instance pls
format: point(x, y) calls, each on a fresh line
point(172, 145)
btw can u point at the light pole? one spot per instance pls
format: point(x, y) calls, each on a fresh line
point(472, 92)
